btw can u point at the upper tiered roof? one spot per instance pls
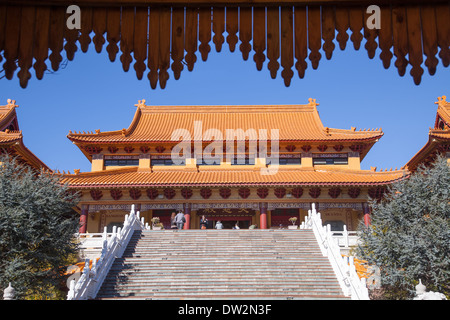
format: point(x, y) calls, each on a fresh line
point(438, 137)
point(296, 123)
point(11, 138)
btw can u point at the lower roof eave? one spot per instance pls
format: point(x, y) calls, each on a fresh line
point(218, 185)
point(125, 142)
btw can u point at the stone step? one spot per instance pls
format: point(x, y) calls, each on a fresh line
point(233, 255)
point(220, 265)
point(223, 271)
point(232, 249)
point(215, 285)
point(205, 255)
point(223, 242)
point(238, 292)
point(220, 296)
point(191, 277)
point(237, 289)
point(241, 245)
point(217, 239)
point(163, 269)
point(180, 260)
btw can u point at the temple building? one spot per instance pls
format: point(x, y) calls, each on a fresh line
point(11, 138)
point(251, 165)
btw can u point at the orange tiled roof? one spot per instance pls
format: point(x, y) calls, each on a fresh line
point(133, 177)
point(8, 137)
point(443, 110)
point(7, 113)
point(157, 123)
point(440, 134)
point(12, 140)
point(436, 137)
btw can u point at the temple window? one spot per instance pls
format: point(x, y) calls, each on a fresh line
point(208, 162)
point(121, 162)
point(330, 161)
point(241, 160)
point(290, 161)
point(166, 162)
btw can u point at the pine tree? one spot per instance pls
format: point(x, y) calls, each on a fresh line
point(409, 235)
point(37, 227)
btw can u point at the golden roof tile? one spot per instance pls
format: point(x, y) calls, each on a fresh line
point(133, 177)
point(7, 113)
point(157, 124)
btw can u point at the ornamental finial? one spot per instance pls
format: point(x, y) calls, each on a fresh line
point(141, 103)
point(11, 103)
point(442, 101)
point(312, 102)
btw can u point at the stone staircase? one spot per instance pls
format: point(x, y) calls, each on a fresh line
point(222, 264)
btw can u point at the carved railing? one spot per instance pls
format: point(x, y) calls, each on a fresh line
point(92, 278)
point(90, 245)
point(345, 239)
point(343, 267)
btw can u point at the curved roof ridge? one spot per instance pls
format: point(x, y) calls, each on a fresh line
point(157, 123)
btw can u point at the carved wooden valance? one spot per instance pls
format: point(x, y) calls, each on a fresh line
point(153, 37)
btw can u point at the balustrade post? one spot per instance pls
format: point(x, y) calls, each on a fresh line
point(351, 263)
point(9, 293)
point(104, 247)
point(86, 269)
point(71, 293)
point(345, 234)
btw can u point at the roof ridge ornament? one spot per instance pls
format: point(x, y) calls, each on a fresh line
point(141, 103)
point(312, 102)
point(442, 101)
point(12, 103)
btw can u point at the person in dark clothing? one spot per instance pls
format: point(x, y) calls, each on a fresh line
point(203, 222)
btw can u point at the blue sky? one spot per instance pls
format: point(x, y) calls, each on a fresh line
point(352, 90)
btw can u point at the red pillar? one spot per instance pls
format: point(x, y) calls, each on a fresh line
point(366, 211)
point(187, 216)
point(83, 218)
point(263, 216)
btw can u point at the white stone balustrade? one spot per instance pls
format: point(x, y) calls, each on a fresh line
point(345, 238)
point(92, 278)
point(343, 267)
point(90, 244)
